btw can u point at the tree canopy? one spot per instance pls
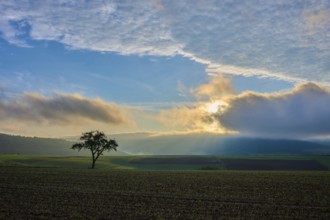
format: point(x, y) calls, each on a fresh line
point(97, 142)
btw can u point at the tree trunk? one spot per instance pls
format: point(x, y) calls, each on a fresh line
point(93, 164)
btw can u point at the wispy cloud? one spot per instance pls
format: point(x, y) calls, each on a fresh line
point(217, 87)
point(282, 39)
point(317, 21)
point(216, 69)
point(182, 89)
point(253, 38)
point(119, 26)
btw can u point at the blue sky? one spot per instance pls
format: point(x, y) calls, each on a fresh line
point(49, 67)
point(164, 66)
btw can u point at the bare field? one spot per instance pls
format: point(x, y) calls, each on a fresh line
point(56, 193)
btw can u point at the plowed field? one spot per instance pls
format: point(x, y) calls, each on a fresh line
point(55, 193)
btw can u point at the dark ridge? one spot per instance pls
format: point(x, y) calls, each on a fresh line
point(193, 160)
point(261, 164)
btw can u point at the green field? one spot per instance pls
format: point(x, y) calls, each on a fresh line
point(153, 162)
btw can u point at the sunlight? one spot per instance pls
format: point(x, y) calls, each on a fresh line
point(214, 107)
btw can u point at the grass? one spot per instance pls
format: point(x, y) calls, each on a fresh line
point(43, 161)
point(65, 193)
point(132, 162)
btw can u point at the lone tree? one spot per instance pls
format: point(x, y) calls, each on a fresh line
point(97, 143)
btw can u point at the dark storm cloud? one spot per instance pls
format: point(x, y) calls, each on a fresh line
point(303, 111)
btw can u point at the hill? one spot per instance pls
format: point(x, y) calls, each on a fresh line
point(149, 144)
point(210, 144)
point(12, 144)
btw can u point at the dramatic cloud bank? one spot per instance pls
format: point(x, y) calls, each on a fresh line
point(302, 112)
point(283, 39)
point(60, 110)
point(200, 116)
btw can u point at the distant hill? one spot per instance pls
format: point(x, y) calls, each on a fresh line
point(195, 144)
point(149, 144)
point(12, 144)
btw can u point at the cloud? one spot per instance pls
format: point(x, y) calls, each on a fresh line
point(253, 38)
point(199, 117)
point(217, 87)
point(117, 26)
point(302, 112)
point(181, 117)
point(215, 69)
point(317, 21)
point(299, 113)
point(250, 38)
point(61, 110)
point(182, 89)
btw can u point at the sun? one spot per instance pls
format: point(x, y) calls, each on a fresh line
point(217, 106)
point(213, 107)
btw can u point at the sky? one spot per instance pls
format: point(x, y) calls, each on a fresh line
point(253, 68)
